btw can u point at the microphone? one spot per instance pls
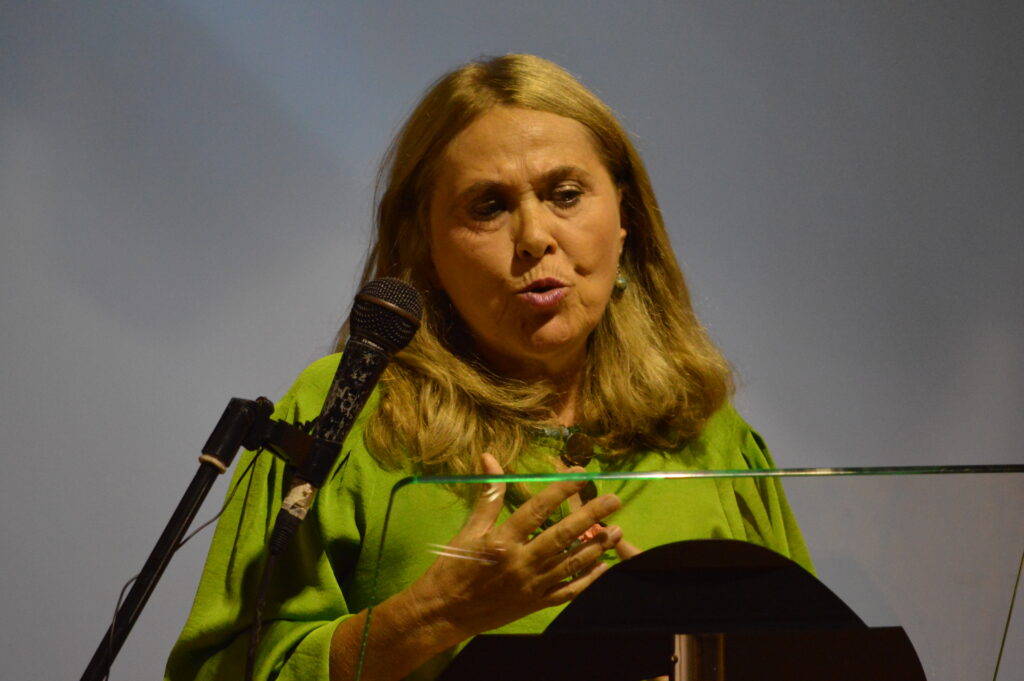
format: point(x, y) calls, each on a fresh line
point(385, 316)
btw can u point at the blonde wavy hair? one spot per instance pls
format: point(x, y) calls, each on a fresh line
point(652, 375)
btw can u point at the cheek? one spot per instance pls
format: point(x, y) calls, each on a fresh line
point(445, 255)
point(440, 258)
point(464, 264)
point(604, 246)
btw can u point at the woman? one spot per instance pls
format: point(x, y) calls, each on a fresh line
point(514, 201)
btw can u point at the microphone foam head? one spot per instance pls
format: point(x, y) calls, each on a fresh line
point(386, 311)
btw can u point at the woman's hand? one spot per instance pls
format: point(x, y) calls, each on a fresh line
point(626, 550)
point(486, 576)
point(490, 574)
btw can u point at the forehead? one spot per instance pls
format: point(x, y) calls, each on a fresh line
point(511, 143)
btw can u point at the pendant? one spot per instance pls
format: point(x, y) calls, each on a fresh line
point(579, 450)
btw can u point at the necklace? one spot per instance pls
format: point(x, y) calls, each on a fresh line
point(577, 450)
point(577, 447)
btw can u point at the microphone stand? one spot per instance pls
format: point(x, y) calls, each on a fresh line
point(244, 423)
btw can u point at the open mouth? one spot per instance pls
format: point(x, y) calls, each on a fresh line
point(544, 293)
point(542, 289)
point(543, 285)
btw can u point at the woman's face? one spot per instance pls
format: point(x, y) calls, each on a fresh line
point(525, 237)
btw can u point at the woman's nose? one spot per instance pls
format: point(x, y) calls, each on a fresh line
point(535, 236)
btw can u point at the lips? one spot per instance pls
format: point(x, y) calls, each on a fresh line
point(545, 292)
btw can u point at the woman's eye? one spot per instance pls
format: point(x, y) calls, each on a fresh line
point(567, 196)
point(486, 209)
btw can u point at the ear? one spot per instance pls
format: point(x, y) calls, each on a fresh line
point(622, 222)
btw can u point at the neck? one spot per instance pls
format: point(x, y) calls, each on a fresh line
point(565, 410)
point(565, 376)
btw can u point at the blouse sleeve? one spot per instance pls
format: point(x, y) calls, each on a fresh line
point(304, 603)
point(765, 510)
point(756, 507)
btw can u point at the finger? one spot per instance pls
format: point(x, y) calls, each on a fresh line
point(582, 557)
point(538, 508)
point(565, 591)
point(492, 497)
point(626, 550)
point(563, 533)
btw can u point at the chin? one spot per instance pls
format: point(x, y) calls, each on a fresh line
point(550, 346)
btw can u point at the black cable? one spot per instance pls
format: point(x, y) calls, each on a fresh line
point(227, 500)
point(186, 539)
point(257, 624)
point(117, 609)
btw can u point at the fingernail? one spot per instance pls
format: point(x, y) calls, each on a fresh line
point(614, 534)
point(608, 503)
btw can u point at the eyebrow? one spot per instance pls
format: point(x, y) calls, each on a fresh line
point(556, 174)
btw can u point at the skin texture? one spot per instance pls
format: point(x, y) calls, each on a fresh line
point(525, 237)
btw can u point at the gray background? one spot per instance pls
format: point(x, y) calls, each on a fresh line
point(184, 199)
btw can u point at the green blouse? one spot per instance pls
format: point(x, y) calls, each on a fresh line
point(327, 574)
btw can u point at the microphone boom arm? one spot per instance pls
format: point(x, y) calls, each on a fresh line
point(244, 423)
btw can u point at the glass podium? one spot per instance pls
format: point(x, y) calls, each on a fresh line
point(934, 553)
